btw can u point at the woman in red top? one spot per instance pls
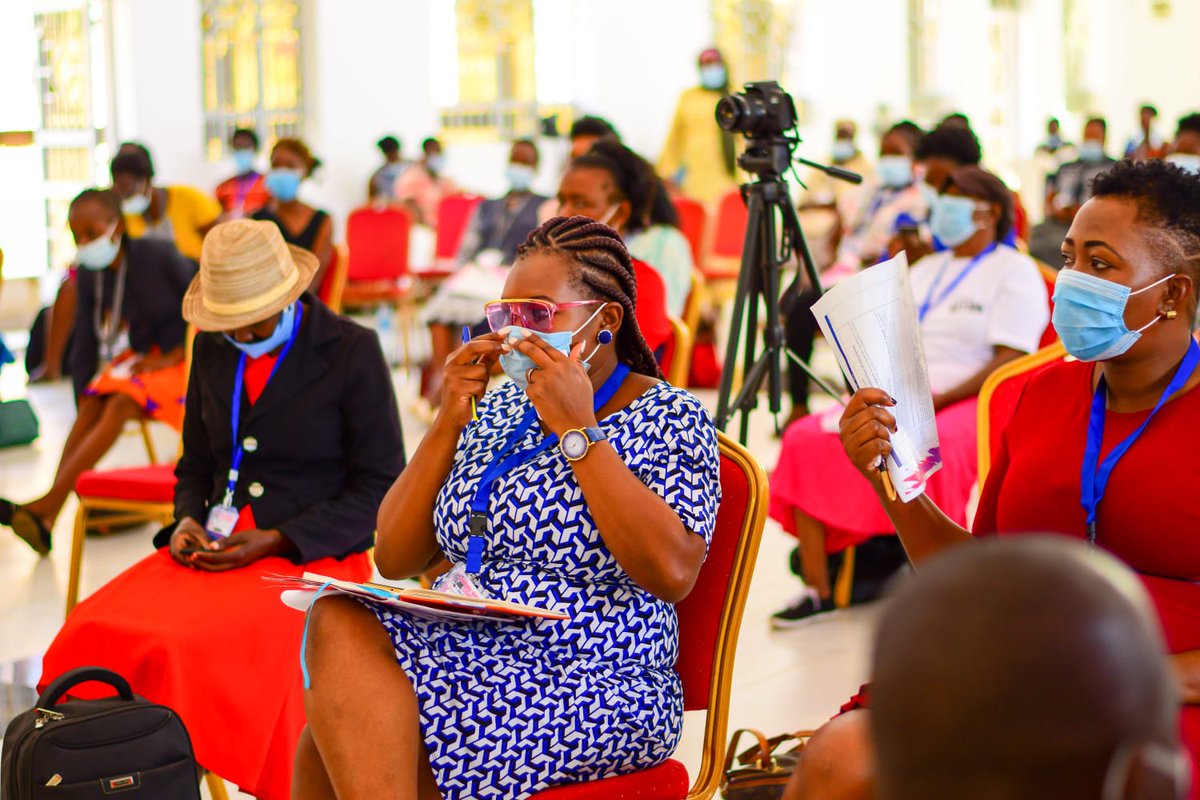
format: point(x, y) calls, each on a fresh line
point(1125, 306)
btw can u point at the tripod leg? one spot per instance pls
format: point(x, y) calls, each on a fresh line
point(743, 298)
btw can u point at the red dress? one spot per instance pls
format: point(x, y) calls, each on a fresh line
point(217, 647)
point(1149, 517)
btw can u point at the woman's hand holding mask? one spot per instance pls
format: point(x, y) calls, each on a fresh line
point(559, 387)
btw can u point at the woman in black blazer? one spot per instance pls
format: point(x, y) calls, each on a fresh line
point(127, 357)
point(195, 626)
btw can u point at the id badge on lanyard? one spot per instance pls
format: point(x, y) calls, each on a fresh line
point(223, 518)
point(508, 460)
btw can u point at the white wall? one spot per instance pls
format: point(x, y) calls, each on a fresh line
point(366, 73)
point(22, 195)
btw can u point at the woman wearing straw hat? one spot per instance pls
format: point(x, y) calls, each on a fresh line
point(127, 359)
point(291, 438)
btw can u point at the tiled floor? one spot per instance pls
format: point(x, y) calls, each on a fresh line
point(783, 681)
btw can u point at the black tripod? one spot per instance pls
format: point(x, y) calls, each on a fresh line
point(764, 253)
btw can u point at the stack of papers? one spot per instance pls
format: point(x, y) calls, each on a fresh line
point(870, 321)
point(424, 603)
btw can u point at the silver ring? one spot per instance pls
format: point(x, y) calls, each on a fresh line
point(529, 374)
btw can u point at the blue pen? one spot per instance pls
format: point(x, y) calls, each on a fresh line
point(466, 337)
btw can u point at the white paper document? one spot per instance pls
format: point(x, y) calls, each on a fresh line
point(870, 321)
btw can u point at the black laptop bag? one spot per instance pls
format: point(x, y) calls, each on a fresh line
point(109, 749)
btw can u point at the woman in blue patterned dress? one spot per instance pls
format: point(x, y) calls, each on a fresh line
point(609, 526)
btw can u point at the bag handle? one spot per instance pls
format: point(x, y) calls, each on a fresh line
point(763, 752)
point(69, 680)
point(747, 757)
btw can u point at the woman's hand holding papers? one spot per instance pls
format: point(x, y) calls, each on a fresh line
point(865, 428)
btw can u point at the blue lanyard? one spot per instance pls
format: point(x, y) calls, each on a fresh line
point(931, 302)
point(235, 411)
point(503, 464)
point(1096, 472)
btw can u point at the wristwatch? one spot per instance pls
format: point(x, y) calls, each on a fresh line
point(576, 443)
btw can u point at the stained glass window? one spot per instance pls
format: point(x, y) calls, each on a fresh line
point(252, 75)
point(497, 94)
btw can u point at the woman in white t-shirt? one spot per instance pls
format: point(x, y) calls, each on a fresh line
point(981, 304)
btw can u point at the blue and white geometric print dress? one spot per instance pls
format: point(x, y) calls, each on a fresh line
point(508, 710)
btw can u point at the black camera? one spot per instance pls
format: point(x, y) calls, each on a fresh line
point(760, 110)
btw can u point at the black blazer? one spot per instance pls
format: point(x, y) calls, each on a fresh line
point(156, 278)
point(328, 438)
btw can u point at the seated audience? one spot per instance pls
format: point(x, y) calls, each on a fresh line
point(301, 224)
point(1147, 144)
point(822, 190)
point(179, 214)
point(586, 131)
point(980, 304)
point(423, 185)
point(1068, 189)
point(127, 358)
point(1124, 305)
point(382, 187)
point(496, 228)
point(195, 626)
point(964, 705)
point(662, 245)
point(612, 539)
point(893, 199)
point(246, 192)
point(1185, 152)
point(612, 184)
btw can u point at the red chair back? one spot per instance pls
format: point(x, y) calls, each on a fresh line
point(454, 212)
point(1049, 336)
point(998, 400)
point(693, 219)
point(378, 242)
point(710, 616)
point(732, 217)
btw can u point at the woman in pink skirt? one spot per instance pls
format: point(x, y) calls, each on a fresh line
point(980, 304)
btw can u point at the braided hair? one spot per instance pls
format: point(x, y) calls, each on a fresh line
point(601, 267)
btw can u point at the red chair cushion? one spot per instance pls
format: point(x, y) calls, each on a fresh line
point(152, 484)
point(667, 781)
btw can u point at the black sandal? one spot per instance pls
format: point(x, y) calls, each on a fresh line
point(30, 527)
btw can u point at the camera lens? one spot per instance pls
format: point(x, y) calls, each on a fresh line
point(731, 112)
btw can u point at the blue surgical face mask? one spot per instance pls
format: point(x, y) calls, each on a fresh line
point(516, 365)
point(1089, 315)
point(712, 76)
point(843, 150)
point(952, 220)
point(520, 177)
point(243, 161)
point(284, 184)
point(99, 253)
point(895, 171)
point(278, 336)
point(436, 162)
point(135, 205)
point(1091, 150)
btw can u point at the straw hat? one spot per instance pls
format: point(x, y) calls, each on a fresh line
point(247, 273)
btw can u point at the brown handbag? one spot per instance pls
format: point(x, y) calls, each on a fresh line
point(762, 773)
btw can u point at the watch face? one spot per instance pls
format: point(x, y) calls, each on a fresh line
point(574, 444)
